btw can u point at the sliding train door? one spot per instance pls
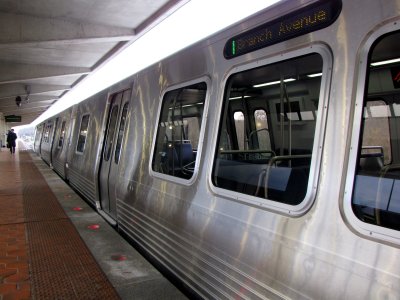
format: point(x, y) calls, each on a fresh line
point(108, 171)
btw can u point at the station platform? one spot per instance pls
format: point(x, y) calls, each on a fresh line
point(55, 246)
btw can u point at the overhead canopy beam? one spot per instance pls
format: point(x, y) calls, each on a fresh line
point(33, 106)
point(14, 73)
point(32, 99)
point(19, 89)
point(27, 30)
point(27, 110)
point(53, 43)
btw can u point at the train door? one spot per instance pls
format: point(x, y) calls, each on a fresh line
point(108, 171)
point(38, 138)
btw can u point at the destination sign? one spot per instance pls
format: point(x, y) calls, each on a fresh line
point(308, 19)
point(12, 119)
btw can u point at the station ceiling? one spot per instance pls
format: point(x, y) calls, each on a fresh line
point(47, 47)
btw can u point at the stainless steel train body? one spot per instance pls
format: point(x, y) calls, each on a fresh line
point(259, 163)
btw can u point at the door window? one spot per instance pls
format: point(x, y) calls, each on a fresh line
point(112, 122)
point(62, 135)
point(121, 131)
point(83, 131)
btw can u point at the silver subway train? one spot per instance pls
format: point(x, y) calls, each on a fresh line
point(260, 163)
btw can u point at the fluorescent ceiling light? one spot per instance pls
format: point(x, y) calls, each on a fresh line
point(385, 62)
point(189, 105)
point(314, 75)
point(273, 82)
point(239, 97)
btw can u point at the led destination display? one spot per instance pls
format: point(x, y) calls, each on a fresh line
point(305, 20)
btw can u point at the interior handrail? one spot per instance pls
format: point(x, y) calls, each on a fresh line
point(388, 168)
point(247, 151)
point(251, 134)
point(273, 161)
point(372, 148)
point(287, 157)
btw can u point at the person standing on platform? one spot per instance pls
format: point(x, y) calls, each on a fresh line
point(11, 137)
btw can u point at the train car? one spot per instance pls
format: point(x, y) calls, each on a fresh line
point(262, 162)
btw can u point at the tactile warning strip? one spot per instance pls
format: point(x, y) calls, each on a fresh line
point(39, 201)
point(60, 263)
point(62, 268)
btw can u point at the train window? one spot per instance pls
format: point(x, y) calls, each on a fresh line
point(376, 130)
point(178, 132)
point(192, 128)
point(49, 126)
point(111, 127)
point(45, 133)
point(262, 132)
point(46, 128)
point(272, 160)
point(376, 187)
point(62, 135)
point(238, 118)
point(82, 133)
point(121, 131)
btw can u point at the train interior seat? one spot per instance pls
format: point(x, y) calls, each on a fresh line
point(377, 189)
point(375, 196)
point(286, 183)
point(371, 162)
point(180, 158)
